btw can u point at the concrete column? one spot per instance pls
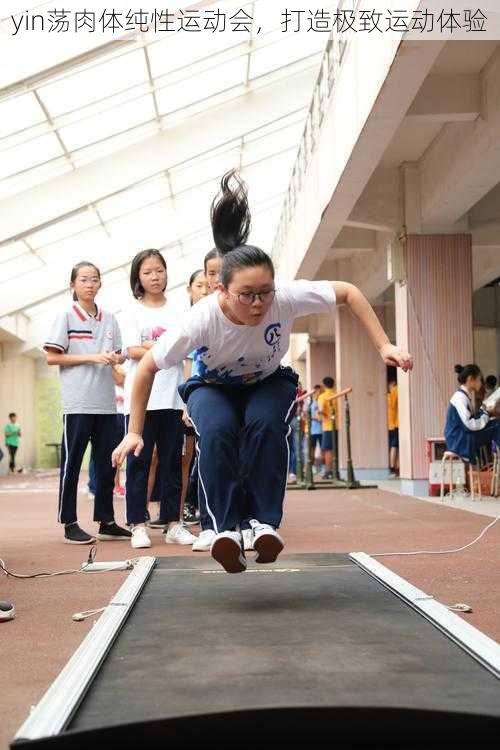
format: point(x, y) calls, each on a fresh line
point(434, 322)
point(320, 361)
point(359, 364)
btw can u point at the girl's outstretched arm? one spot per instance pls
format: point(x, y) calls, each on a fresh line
point(350, 295)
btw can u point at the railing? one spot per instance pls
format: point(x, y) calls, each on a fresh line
point(328, 74)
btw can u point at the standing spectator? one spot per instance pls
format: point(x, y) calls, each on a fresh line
point(147, 318)
point(393, 427)
point(327, 410)
point(85, 342)
point(316, 430)
point(12, 440)
point(294, 446)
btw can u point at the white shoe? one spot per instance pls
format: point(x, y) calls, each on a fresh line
point(140, 537)
point(247, 535)
point(292, 478)
point(204, 541)
point(266, 542)
point(178, 534)
point(227, 550)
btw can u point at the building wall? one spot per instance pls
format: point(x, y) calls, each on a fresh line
point(48, 414)
point(486, 352)
point(320, 361)
point(17, 393)
point(486, 305)
point(434, 323)
point(358, 364)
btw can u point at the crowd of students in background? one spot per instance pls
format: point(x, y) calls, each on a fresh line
point(322, 406)
point(323, 423)
point(97, 369)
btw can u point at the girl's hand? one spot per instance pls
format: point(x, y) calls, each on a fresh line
point(185, 419)
point(103, 358)
point(493, 411)
point(396, 357)
point(118, 358)
point(130, 443)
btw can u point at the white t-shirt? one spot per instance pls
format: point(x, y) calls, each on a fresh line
point(120, 399)
point(141, 323)
point(233, 354)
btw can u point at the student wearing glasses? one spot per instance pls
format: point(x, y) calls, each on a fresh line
point(241, 399)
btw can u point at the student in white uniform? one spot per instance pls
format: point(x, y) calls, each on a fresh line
point(241, 399)
point(85, 342)
point(144, 322)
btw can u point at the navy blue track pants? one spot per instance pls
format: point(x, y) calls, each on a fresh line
point(242, 440)
point(164, 428)
point(78, 430)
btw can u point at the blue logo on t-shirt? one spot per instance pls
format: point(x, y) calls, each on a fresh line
point(272, 334)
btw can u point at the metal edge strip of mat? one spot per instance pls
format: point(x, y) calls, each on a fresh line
point(482, 648)
point(58, 705)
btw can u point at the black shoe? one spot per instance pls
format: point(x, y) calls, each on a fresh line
point(109, 532)
point(189, 516)
point(158, 523)
point(73, 534)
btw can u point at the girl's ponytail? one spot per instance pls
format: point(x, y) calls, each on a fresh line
point(230, 214)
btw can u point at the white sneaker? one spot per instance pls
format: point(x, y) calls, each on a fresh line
point(266, 542)
point(204, 541)
point(140, 537)
point(292, 478)
point(178, 534)
point(227, 550)
point(247, 535)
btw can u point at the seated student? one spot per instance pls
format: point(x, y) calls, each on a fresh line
point(464, 432)
point(490, 385)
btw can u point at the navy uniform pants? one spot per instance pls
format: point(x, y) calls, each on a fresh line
point(162, 427)
point(242, 440)
point(79, 429)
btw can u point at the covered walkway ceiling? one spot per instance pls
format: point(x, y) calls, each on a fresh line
point(120, 146)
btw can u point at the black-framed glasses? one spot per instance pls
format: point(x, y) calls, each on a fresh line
point(248, 298)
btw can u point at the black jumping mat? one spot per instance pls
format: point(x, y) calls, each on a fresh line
point(309, 643)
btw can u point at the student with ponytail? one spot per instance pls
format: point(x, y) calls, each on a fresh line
point(241, 399)
point(465, 431)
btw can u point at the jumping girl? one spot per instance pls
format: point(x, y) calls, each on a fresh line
point(241, 399)
point(85, 342)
